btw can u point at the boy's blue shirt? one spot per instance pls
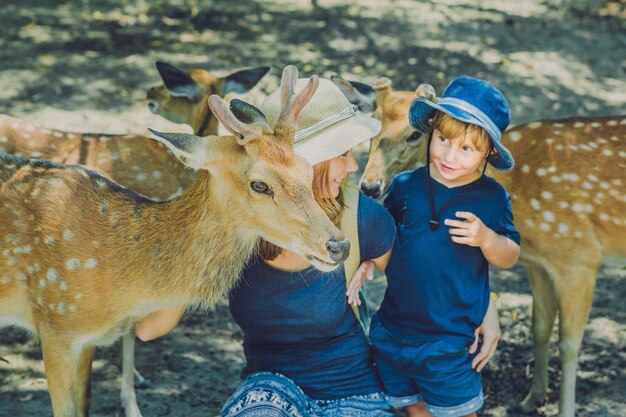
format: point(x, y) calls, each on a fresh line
point(438, 289)
point(299, 324)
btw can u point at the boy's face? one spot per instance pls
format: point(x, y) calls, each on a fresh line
point(457, 160)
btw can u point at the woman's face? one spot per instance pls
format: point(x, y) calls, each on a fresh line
point(338, 170)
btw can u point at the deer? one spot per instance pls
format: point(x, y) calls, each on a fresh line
point(135, 160)
point(84, 258)
point(569, 195)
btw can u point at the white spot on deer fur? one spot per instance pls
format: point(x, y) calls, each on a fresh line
point(23, 249)
point(526, 169)
point(78, 296)
point(555, 178)
point(11, 261)
point(5, 279)
point(546, 195)
point(156, 174)
point(141, 176)
point(587, 186)
point(605, 185)
point(595, 124)
point(176, 193)
point(585, 147)
point(6, 252)
point(552, 169)
point(563, 228)
point(592, 177)
point(602, 141)
point(577, 207)
point(33, 268)
point(4, 139)
point(530, 223)
point(570, 177)
point(549, 141)
point(42, 283)
point(68, 234)
point(63, 286)
point(578, 125)
point(20, 276)
point(541, 172)
point(544, 226)
point(48, 240)
point(104, 207)
point(612, 123)
point(72, 307)
point(90, 263)
point(548, 216)
point(72, 264)
point(515, 136)
point(135, 167)
point(604, 217)
point(52, 275)
point(71, 135)
point(100, 183)
point(535, 204)
point(534, 125)
point(573, 147)
point(61, 308)
point(614, 192)
point(559, 147)
point(617, 221)
point(607, 152)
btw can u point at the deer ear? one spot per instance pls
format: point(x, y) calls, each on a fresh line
point(178, 82)
point(249, 114)
point(363, 95)
point(426, 91)
point(242, 81)
point(245, 132)
point(187, 148)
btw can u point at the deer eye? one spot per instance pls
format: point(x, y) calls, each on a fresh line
point(260, 188)
point(415, 136)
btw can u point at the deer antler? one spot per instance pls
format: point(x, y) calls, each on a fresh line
point(290, 107)
point(246, 133)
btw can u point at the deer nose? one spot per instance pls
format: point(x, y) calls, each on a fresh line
point(338, 250)
point(373, 189)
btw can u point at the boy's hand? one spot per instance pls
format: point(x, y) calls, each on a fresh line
point(365, 271)
point(471, 231)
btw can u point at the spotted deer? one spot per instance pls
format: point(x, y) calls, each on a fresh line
point(83, 258)
point(568, 193)
point(134, 160)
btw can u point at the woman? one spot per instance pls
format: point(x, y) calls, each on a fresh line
point(306, 352)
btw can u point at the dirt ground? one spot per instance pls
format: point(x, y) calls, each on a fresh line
point(85, 65)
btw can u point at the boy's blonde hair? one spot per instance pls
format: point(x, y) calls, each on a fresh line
point(451, 128)
point(333, 207)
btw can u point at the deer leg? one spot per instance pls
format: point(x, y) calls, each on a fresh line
point(127, 394)
point(544, 312)
point(575, 295)
point(60, 364)
point(82, 388)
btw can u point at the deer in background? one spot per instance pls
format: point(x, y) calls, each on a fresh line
point(83, 259)
point(568, 192)
point(136, 161)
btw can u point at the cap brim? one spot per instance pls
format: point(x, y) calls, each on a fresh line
point(421, 110)
point(337, 139)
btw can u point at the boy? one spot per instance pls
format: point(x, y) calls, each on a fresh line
point(452, 222)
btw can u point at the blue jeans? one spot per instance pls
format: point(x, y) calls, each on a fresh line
point(267, 394)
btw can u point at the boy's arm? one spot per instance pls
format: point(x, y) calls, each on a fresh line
point(499, 250)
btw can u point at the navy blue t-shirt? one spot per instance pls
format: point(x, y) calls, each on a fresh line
point(300, 324)
point(438, 289)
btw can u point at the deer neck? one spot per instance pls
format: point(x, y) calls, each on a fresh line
point(198, 256)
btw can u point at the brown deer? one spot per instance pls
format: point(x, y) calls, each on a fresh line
point(136, 161)
point(83, 259)
point(569, 197)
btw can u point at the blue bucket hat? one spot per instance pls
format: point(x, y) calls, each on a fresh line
point(474, 101)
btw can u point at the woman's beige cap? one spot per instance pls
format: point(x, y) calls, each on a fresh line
point(328, 125)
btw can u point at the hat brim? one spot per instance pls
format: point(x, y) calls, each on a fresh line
point(337, 139)
point(421, 110)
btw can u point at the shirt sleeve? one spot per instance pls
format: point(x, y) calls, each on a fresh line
point(504, 224)
point(376, 229)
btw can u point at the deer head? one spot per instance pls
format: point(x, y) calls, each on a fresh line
point(266, 186)
point(182, 98)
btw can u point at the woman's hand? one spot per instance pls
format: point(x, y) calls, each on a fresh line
point(365, 271)
point(490, 330)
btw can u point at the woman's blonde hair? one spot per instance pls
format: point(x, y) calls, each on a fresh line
point(451, 128)
point(333, 207)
